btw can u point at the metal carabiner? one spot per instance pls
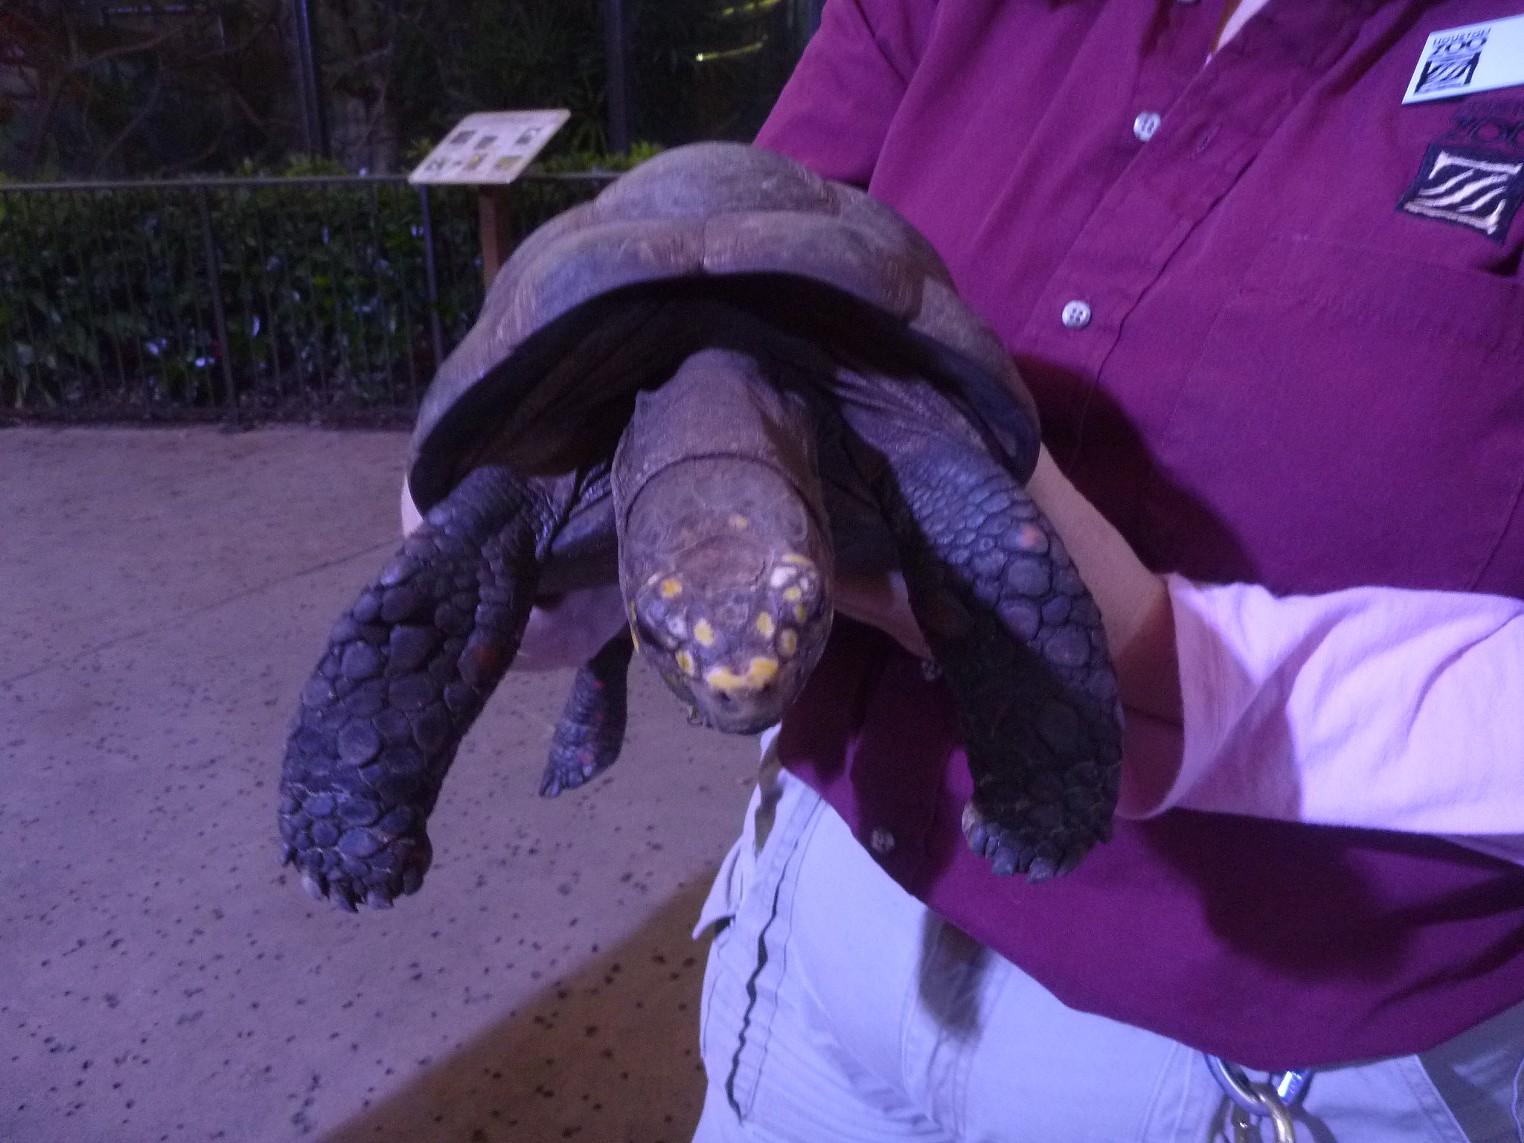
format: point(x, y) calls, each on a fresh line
point(1254, 1102)
point(1246, 1124)
point(1289, 1087)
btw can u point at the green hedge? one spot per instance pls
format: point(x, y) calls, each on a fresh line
point(107, 305)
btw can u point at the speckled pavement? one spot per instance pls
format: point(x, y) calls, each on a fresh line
point(164, 593)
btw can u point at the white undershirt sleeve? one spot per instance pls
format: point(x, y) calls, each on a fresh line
point(1374, 707)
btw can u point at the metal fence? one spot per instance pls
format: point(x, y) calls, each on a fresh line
point(314, 298)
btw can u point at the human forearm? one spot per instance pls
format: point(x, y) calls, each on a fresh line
point(1134, 602)
point(1372, 707)
point(1375, 707)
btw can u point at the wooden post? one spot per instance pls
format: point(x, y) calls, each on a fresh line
point(496, 221)
point(488, 150)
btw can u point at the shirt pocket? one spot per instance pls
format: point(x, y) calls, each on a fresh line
point(1353, 416)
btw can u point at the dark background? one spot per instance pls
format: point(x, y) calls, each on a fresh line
point(118, 89)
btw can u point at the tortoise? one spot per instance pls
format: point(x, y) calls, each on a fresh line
point(723, 381)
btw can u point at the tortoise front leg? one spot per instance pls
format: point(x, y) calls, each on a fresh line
point(406, 672)
point(1022, 648)
point(591, 729)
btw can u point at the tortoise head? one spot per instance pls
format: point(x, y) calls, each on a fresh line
point(725, 562)
point(734, 625)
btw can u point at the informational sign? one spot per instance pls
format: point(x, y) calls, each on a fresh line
point(489, 147)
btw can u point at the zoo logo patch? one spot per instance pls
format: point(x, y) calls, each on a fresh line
point(1468, 186)
point(1451, 62)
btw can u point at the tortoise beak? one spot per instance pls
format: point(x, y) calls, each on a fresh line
point(749, 699)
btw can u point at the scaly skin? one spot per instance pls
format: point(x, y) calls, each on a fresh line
point(591, 728)
point(1022, 649)
point(406, 672)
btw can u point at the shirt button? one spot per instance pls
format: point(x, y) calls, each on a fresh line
point(881, 841)
point(1145, 125)
point(1076, 315)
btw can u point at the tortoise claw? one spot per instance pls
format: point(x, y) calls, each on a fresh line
point(1004, 862)
point(975, 830)
point(567, 769)
point(1042, 869)
point(991, 840)
point(1008, 853)
point(387, 866)
point(378, 900)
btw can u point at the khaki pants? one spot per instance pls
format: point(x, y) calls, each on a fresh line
point(837, 1008)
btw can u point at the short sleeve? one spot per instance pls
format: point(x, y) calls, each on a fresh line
point(836, 109)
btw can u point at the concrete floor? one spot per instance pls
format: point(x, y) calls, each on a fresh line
point(164, 594)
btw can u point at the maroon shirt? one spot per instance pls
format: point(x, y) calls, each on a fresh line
point(1300, 362)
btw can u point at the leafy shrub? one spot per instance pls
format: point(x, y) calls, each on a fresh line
point(280, 298)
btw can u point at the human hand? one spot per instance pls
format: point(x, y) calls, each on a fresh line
point(881, 600)
point(568, 630)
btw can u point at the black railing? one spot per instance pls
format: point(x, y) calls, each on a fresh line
point(315, 298)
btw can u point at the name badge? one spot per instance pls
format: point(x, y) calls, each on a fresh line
point(1477, 57)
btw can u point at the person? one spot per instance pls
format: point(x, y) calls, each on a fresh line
point(1273, 320)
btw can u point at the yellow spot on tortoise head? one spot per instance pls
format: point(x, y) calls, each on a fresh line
point(704, 633)
point(685, 662)
point(800, 614)
point(765, 624)
point(671, 587)
point(797, 560)
point(788, 642)
point(759, 672)
point(793, 593)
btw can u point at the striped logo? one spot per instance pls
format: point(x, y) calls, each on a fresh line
point(1452, 61)
point(1467, 186)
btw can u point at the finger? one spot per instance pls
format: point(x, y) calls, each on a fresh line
point(882, 600)
point(411, 517)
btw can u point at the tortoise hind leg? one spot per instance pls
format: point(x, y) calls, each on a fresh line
point(406, 672)
point(591, 729)
point(1022, 648)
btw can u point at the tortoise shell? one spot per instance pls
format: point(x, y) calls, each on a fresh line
point(577, 321)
